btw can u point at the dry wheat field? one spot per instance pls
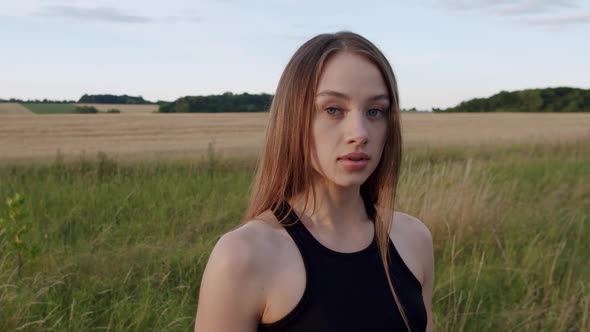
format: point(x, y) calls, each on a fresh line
point(124, 108)
point(14, 108)
point(141, 135)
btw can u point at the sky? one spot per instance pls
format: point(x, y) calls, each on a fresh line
point(442, 51)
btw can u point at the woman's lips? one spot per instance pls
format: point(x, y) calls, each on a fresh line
point(353, 165)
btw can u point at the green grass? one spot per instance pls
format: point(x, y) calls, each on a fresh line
point(123, 245)
point(50, 108)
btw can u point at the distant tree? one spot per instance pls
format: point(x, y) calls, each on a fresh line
point(561, 99)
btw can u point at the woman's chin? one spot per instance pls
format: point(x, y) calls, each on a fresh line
point(351, 181)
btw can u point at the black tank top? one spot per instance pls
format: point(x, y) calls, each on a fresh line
point(349, 291)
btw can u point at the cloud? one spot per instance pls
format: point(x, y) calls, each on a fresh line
point(506, 7)
point(532, 7)
point(176, 19)
point(464, 5)
point(103, 14)
point(109, 15)
point(533, 12)
point(579, 18)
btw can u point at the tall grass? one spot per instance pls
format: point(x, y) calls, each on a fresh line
point(123, 246)
point(510, 228)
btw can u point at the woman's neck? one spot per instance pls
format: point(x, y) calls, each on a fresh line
point(337, 208)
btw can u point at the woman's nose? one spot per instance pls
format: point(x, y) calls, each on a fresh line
point(357, 130)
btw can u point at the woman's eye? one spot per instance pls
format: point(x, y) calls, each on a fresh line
point(332, 110)
point(376, 112)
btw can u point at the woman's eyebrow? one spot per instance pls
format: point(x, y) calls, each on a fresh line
point(345, 96)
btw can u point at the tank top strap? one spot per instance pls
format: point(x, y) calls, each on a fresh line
point(294, 227)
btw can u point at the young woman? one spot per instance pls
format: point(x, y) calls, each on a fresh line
point(320, 247)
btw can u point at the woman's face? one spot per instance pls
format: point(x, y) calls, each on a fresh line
point(352, 102)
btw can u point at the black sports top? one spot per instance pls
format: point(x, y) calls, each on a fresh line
point(349, 291)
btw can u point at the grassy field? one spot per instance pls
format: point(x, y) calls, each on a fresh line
point(50, 108)
point(157, 136)
point(123, 245)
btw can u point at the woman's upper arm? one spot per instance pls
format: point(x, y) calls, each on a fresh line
point(231, 294)
point(428, 280)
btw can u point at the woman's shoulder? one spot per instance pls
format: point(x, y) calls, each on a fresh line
point(261, 233)
point(237, 272)
point(254, 243)
point(413, 242)
point(410, 226)
point(244, 260)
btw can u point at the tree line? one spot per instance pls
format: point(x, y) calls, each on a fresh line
point(113, 99)
point(37, 101)
point(227, 102)
point(561, 99)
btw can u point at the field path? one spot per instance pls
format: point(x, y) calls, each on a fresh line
point(149, 136)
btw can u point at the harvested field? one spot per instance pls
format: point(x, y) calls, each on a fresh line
point(124, 108)
point(150, 136)
point(491, 128)
point(14, 108)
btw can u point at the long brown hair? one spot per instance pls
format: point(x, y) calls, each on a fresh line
point(284, 169)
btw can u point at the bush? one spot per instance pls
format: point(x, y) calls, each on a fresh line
point(113, 110)
point(85, 109)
